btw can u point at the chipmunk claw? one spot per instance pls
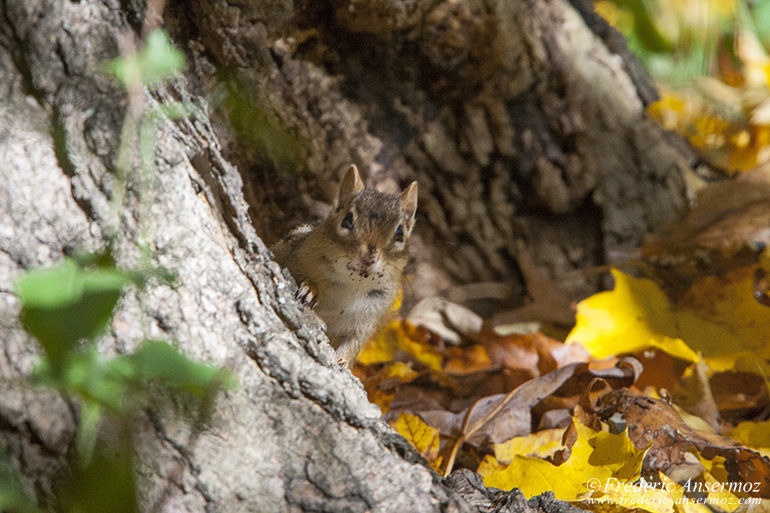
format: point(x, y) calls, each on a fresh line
point(306, 296)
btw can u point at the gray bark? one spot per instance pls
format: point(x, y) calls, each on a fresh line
point(298, 433)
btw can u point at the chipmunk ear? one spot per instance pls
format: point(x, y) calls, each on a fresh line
point(351, 183)
point(409, 206)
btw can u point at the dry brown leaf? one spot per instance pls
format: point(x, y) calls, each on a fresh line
point(726, 230)
point(453, 322)
point(656, 423)
point(694, 395)
point(466, 360)
point(514, 417)
point(740, 395)
point(660, 370)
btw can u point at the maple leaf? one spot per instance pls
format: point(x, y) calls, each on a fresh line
point(662, 496)
point(541, 444)
point(655, 424)
point(377, 388)
point(424, 438)
point(718, 318)
point(400, 335)
point(595, 457)
point(636, 315)
point(753, 434)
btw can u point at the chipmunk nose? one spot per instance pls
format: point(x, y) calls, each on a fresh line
point(368, 255)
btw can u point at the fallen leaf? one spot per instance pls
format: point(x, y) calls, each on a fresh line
point(382, 347)
point(752, 434)
point(498, 418)
point(717, 318)
point(424, 438)
point(541, 444)
point(659, 496)
point(452, 322)
point(728, 302)
point(739, 395)
point(655, 423)
point(399, 336)
point(489, 465)
point(693, 394)
point(726, 230)
point(381, 386)
point(466, 360)
point(594, 456)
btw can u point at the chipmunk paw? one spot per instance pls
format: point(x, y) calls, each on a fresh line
point(306, 295)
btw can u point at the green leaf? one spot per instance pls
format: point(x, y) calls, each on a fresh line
point(176, 110)
point(103, 259)
point(107, 384)
point(645, 29)
point(156, 360)
point(65, 304)
point(156, 62)
point(106, 482)
point(88, 431)
point(102, 383)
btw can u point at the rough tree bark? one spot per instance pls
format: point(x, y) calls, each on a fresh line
point(518, 119)
point(523, 122)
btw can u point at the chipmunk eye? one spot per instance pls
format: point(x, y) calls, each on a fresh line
point(347, 221)
point(399, 237)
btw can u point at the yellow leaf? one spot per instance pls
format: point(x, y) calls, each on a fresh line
point(413, 342)
point(636, 315)
point(541, 445)
point(489, 465)
point(662, 496)
point(534, 476)
point(703, 495)
point(627, 497)
point(752, 434)
point(670, 110)
point(382, 346)
point(718, 318)
point(738, 326)
point(595, 457)
point(715, 466)
point(396, 370)
point(718, 492)
point(399, 335)
point(424, 438)
point(734, 142)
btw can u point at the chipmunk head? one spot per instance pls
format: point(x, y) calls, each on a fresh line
point(372, 226)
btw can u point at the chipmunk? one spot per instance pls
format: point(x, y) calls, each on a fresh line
point(350, 265)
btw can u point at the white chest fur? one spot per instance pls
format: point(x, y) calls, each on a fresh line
point(354, 307)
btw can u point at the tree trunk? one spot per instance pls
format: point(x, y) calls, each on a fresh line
point(521, 120)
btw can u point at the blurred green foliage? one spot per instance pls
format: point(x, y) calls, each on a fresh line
point(154, 63)
point(710, 61)
point(69, 306)
point(66, 304)
point(681, 39)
